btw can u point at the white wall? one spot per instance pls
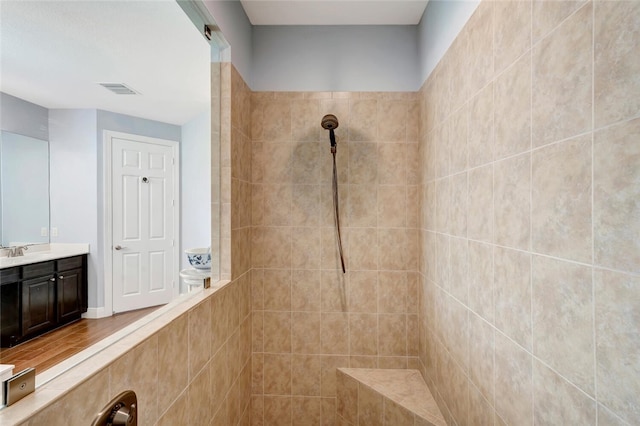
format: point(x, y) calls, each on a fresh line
point(23, 117)
point(440, 24)
point(74, 186)
point(195, 185)
point(335, 58)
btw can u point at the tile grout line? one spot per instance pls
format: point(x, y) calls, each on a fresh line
point(593, 246)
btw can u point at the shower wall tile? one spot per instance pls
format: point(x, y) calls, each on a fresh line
point(617, 42)
point(562, 80)
point(528, 216)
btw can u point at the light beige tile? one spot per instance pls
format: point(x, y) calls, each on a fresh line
point(562, 80)
point(347, 397)
point(172, 345)
point(277, 290)
point(481, 280)
point(334, 333)
point(305, 205)
point(557, 401)
point(304, 162)
point(199, 398)
point(480, 411)
point(561, 200)
point(607, 418)
point(392, 164)
point(199, 340)
point(513, 113)
point(481, 350)
point(459, 279)
point(443, 149)
point(392, 339)
point(305, 375)
point(305, 116)
point(512, 272)
point(396, 414)
point(334, 291)
point(363, 291)
point(404, 255)
point(617, 40)
point(306, 411)
point(277, 205)
point(363, 163)
point(617, 310)
point(306, 250)
point(458, 207)
point(480, 223)
point(177, 413)
point(363, 119)
point(363, 249)
point(305, 332)
point(305, 290)
point(392, 207)
point(547, 15)
point(458, 137)
point(616, 193)
point(276, 247)
point(277, 410)
point(363, 334)
point(513, 382)
point(443, 261)
point(392, 119)
point(328, 365)
point(512, 32)
point(277, 374)
point(370, 410)
point(392, 292)
point(481, 127)
point(363, 205)
point(277, 332)
point(563, 319)
point(328, 411)
point(443, 205)
point(277, 120)
point(480, 30)
point(512, 202)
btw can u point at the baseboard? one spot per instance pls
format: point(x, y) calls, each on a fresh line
point(94, 313)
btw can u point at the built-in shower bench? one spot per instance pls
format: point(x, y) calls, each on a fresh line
point(385, 397)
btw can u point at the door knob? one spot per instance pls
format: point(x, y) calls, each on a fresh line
point(118, 247)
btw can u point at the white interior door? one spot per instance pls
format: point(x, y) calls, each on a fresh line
point(143, 215)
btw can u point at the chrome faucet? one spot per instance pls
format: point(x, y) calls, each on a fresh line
point(17, 251)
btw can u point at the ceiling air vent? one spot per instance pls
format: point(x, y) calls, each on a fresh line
point(119, 88)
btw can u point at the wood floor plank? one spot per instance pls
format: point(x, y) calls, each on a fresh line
point(51, 348)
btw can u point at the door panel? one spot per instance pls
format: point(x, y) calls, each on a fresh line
point(143, 224)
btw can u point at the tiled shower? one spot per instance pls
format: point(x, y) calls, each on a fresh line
point(491, 228)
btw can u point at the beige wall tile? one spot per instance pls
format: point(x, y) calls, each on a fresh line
point(480, 411)
point(392, 206)
point(306, 250)
point(392, 164)
point(370, 409)
point(396, 415)
point(199, 338)
point(306, 411)
point(363, 291)
point(172, 346)
point(562, 80)
point(305, 332)
point(480, 223)
point(561, 199)
point(512, 32)
point(276, 123)
point(199, 399)
point(480, 30)
point(363, 334)
point(513, 382)
point(177, 413)
point(347, 397)
point(305, 120)
point(481, 127)
point(334, 333)
point(277, 374)
point(305, 205)
point(305, 164)
point(443, 204)
point(363, 115)
point(394, 329)
point(458, 206)
point(277, 410)
point(556, 401)
point(616, 192)
point(512, 273)
point(607, 418)
point(392, 292)
point(617, 312)
point(305, 290)
point(363, 205)
point(391, 120)
point(277, 290)
point(617, 35)
point(563, 319)
point(513, 108)
point(277, 332)
point(549, 14)
point(512, 202)
point(459, 278)
point(458, 137)
point(363, 249)
point(481, 350)
point(481, 280)
point(306, 372)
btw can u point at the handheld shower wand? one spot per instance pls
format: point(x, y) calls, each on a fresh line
point(330, 122)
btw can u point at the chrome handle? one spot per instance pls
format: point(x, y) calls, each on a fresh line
point(53, 279)
point(118, 247)
point(61, 277)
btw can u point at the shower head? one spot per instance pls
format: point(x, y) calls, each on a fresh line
point(329, 122)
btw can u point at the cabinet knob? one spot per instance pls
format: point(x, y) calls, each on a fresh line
point(53, 279)
point(61, 277)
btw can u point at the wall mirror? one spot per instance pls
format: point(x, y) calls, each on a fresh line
point(24, 190)
point(58, 56)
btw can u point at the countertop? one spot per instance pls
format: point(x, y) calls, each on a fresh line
point(42, 253)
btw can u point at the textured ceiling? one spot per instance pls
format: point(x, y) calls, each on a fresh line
point(53, 53)
point(334, 12)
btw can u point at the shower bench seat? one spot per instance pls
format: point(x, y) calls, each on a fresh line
point(385, 397)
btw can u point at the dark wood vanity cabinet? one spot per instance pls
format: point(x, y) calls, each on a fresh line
point(42, 296)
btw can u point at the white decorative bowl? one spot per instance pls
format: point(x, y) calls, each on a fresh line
point(199, 258)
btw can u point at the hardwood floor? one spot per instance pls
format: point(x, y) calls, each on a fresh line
point(47, 350)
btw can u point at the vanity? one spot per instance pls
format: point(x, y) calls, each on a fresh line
point(41, 291)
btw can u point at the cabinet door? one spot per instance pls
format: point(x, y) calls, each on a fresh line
point(38, 304)
point(69, 289)
point(9, 306)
